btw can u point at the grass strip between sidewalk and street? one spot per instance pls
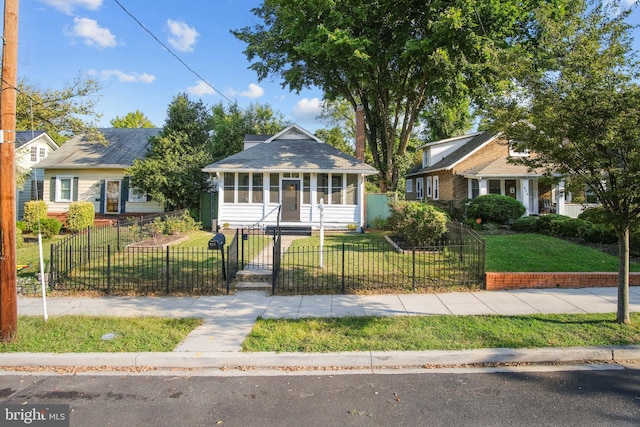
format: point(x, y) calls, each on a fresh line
point(84, 334)
point(416, 333)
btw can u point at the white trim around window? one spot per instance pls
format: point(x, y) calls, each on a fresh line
point(136, 195)
point(436, 187)
point(429, 186)
point(64, 188)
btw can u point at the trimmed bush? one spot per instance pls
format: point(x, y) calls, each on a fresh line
point(80, 216)
point(525, 224)
point(600, 233)
point(594, 215)
point(549, 224)
point(175, 225)
point(34, 211)
point(19, 238)
point(50, 227)
point(417, 223)
point(21, 225)
point(573, 227)
point(495, 208)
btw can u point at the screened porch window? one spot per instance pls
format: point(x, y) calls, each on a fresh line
point(274, 188)
point(256, 188)
point(323, 187)
point(229, 187)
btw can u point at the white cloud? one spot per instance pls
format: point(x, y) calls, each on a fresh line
point(201, 88)
point(307, 109)
point(68, 6)
point(128, 77)
point(183, 37)
point(254, 92)
point(93, 34)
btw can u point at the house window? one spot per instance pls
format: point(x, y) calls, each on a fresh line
point(64, 189)
point(514, 152)
point(137, 195)
point(34, 154)
point(436, 188)
point(352, 190)
point(429, 186)
point(37, 187)
point(306, 188)
point(475, 188)
point(274, 188)
point(409, 186)
point(420, 188)
point(256, 188)
point(243, 188)
point(229, 187)
point(323, 187)
point(336, 189)
point(43, 153)
point(494, 186)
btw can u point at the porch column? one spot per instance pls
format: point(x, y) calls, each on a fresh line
point(524, 195)
point(560, 198)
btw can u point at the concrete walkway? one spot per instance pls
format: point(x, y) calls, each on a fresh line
point(228, 319)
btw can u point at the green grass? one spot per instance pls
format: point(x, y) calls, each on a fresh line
point(540, 253)
point(82, 334)
point(440, 333)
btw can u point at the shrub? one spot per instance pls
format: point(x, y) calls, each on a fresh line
point(594, 215)
point(417, 223)
point(549, 224)
point(175, 225)
point(19, 238)
point(22, 226)
point(34, 211)
point(525, 224)
point(380, 223)
point(50, 227)
point(600, 233)
point(80, 216)
point(573, 227)
point(495, 208)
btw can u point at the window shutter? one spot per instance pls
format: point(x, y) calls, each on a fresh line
point(75, 188)
point(52, 189)
point(124, 196)
point(102, 195)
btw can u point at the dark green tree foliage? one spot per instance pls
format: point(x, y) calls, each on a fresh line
point(172, 170)
point(395, 58)
point(577, 107)
point(133, 120)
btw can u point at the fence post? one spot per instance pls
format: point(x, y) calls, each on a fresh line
point(141, 230)
point(108, 269)
point(343, 268)
point(242, 250)
point(88, 244)
point(167, 285)
point(413, 269)
point(118, 235)
point(51, 268)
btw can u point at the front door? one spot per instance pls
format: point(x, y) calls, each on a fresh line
point(113, 197)
point(290, 200)
point(510, 188)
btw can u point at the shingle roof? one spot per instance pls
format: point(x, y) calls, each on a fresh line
point(24, 136)
point(499, 168)
point(461, 153)
point(291, 155)
point(123, 146)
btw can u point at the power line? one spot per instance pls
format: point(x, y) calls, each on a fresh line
point(171, 52)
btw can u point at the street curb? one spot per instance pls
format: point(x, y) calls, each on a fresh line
point(346, 360)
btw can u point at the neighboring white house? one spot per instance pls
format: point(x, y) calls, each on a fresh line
point(86, 170)
point(31, 147)
point(290, 172)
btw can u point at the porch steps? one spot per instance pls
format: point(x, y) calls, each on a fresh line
point(253, 286)
point(253, 280)
point(291, 230)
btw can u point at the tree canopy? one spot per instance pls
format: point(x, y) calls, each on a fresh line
point(61, 113)
point(132, 120)
point(576, 107)
point(194, 136)
point(393, 58)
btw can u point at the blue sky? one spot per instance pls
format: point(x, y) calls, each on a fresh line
point(61, 39)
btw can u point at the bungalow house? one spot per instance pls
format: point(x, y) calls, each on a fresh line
point(86, 170)
point(289, 174)
point(456, 169)
point(31, 147)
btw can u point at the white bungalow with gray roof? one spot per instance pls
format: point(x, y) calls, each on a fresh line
point(86, 170)
point(290, 173)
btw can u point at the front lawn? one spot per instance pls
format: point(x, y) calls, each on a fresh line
point(541, 253)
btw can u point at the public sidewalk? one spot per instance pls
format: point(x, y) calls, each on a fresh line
point(228, 319)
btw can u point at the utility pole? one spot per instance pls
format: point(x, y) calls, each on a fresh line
point(8, 92)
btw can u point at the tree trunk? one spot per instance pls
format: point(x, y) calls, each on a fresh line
point(623, 276)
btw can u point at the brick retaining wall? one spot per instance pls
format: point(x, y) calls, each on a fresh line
point(498, 281)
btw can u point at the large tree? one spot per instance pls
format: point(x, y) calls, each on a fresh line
point(62, 113)
point(391, 57)
point(132, 120)
point(172, 170)
point(577, 108)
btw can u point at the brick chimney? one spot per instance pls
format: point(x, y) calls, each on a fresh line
point(360, 135)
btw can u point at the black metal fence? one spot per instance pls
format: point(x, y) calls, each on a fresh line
point(456, 261)
point(106, 260)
